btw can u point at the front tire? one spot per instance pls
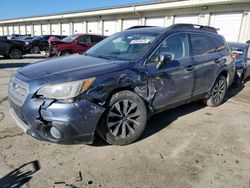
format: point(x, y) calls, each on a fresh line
point(16, 53)
point(65, 53)
point(124, 120)
point(218, 92)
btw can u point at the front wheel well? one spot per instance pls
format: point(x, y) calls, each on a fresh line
point(14, 47)
point(116, 90)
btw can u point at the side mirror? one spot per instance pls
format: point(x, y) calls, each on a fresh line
point(164, 58)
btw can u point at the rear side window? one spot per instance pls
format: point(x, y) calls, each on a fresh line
point(96, 38)
point(201, 45)
point(220, 44)
point(84, 39)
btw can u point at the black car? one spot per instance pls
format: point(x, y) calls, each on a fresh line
point(115, 86)
point(241, 51)
point(13, 49)
point(40, 43)
point(14, 36)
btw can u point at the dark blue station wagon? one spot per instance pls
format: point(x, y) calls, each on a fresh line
point(118, 84)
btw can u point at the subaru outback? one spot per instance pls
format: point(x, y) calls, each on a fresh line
point(119, 83)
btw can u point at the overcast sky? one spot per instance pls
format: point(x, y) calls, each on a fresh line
point(22, 8)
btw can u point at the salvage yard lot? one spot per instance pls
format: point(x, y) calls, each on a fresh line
point(189, 146)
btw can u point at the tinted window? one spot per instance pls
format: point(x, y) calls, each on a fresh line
point(84, 39)
point(177, 45)
point(201, 45)
point(96, 38)
point(220, 45)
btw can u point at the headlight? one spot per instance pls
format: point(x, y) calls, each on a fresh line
point(27, 43)
point(66, 90)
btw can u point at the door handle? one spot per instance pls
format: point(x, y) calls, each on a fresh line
point(190, 67)
point(220, 61)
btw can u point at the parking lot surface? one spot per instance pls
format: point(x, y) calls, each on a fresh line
point(189, 146)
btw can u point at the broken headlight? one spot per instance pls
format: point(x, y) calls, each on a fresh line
point(66, 90)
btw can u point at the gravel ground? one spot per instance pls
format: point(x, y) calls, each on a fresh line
point(189, 146)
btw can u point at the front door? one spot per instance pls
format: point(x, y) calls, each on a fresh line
point(173, 82)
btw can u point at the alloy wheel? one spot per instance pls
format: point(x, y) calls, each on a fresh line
point(219, 91)
point(123, 118)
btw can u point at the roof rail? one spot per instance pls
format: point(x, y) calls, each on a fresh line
point(139, 26)
point(194, 27)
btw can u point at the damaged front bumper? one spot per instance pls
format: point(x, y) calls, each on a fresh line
point(64, 123)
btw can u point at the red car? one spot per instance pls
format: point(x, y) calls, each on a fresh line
point(76, 43)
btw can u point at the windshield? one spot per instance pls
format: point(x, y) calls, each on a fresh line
point(238, 51)
point(123, 46)
point(70, 38)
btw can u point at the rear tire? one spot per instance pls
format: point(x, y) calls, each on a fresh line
point(218, 92)
point(124, 120)
point(35, 50)
point(15, 53)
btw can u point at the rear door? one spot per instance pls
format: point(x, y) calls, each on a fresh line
point(44, 45)
point(206, 61)
point(172, 83)
point(83, 43)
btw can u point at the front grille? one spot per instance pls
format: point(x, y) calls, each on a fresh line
point(18, 91)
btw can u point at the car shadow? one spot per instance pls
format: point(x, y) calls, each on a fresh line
point(160, 121)
point(20, 176)
point(34, 57)
point(12, 65)
point(233, 91)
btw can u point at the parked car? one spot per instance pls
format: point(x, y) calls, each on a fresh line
point(76, 43)
point(241, 52)
point(39, 43)
point(3, 37)
point(14, 36)
point(24, 38)
point(12, 48)
point(116, 85)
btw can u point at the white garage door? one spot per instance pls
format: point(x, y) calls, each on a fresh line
point(65, 29)
point(186, 19)
point(228, 25)
point(11, 30)
point(5, 30)
point(155, 22)
point(1, 31)
point(45, 29)
point(78, 27)
point(28, 29)
point(22, 30)
point(109, 28)
point(37, 30)
point(92, 27)
point(129, 23)
point(55, 30)
point(16, 29)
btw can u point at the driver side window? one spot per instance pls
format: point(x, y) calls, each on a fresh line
point(176, 45)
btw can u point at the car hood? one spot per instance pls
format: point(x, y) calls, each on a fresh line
point(70, 68)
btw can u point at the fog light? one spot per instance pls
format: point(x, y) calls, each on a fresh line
point(55, 133)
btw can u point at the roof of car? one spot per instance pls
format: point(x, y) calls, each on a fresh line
point(238, 44)
point(175, 28)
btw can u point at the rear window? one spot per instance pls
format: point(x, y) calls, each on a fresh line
point(96, 38)
point(220, 45)
point(201, 45)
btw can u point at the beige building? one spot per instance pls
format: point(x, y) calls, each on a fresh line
point(230, 17)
